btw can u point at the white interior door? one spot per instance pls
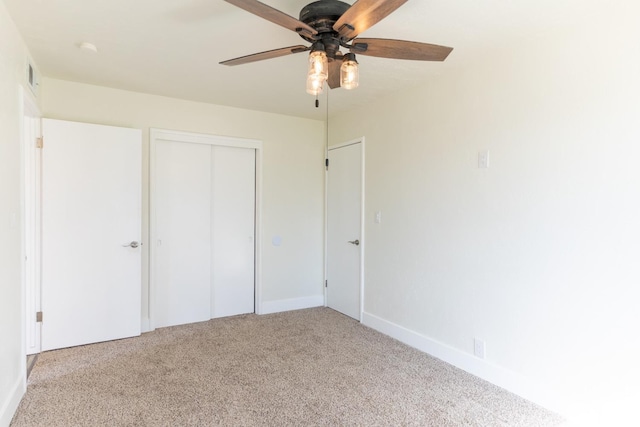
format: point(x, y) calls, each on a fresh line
point(233, 227)
point(203, 228)
point(91, 217)
point(182, 209)
point(344, 212)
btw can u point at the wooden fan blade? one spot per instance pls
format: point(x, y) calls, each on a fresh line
point(274, 15)
point(334, 72)
point(364, 14)
point(400, 49)
point(275, 53)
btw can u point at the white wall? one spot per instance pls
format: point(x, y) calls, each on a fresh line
point(539, 254)
point(13, 59)
point(293, 175)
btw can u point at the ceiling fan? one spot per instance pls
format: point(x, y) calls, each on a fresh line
point(330, 25)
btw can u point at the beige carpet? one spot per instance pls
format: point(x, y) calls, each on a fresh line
point(308, 367)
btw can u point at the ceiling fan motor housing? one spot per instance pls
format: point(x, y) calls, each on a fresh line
point(321, 15)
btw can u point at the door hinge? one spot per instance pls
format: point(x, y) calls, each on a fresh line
point(326, 163)
point(39, 316)
point(326, 283)
point(39, 142)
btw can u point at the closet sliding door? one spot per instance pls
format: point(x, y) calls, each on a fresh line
point(232, 230)
point(182, 206)
point(203, 230)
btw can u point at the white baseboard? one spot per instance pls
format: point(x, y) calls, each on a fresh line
point(10, 404)
point(509, 380)
point(145, 325)
point(278, 306)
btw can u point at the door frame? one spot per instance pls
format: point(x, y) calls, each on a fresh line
point(31, 217)
point(156, 135)
point(355, 141)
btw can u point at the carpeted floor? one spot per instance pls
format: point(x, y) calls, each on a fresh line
point(307, 367)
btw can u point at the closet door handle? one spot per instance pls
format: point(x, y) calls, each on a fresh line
point(133, 245)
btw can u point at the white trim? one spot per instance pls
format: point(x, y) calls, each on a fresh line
point(156, 135)
point(278, 306)
point(27, 106)
point(148, 324)
point(201, 138)
point(325, 252)
point(362, 217)
point(494, 374)
point(346, 144)
point(363, 239)
point(258, 233)
point(145, 325)
point(9, 406)
point(31, 163)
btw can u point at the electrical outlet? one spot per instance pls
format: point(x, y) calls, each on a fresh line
point(479, 348)
point(378, 217)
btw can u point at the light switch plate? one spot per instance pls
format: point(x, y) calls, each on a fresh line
point(483, 159)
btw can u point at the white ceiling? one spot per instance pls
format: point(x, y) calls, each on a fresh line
point(172, 47)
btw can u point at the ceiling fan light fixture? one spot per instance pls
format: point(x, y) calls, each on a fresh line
point(349, 75)
point(318, 63)
point(314, 84)
point(318, 69)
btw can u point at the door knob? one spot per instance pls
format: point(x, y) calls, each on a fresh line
point(133, 245)
point(355, 242)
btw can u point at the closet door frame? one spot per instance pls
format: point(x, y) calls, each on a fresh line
point(158, 135)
